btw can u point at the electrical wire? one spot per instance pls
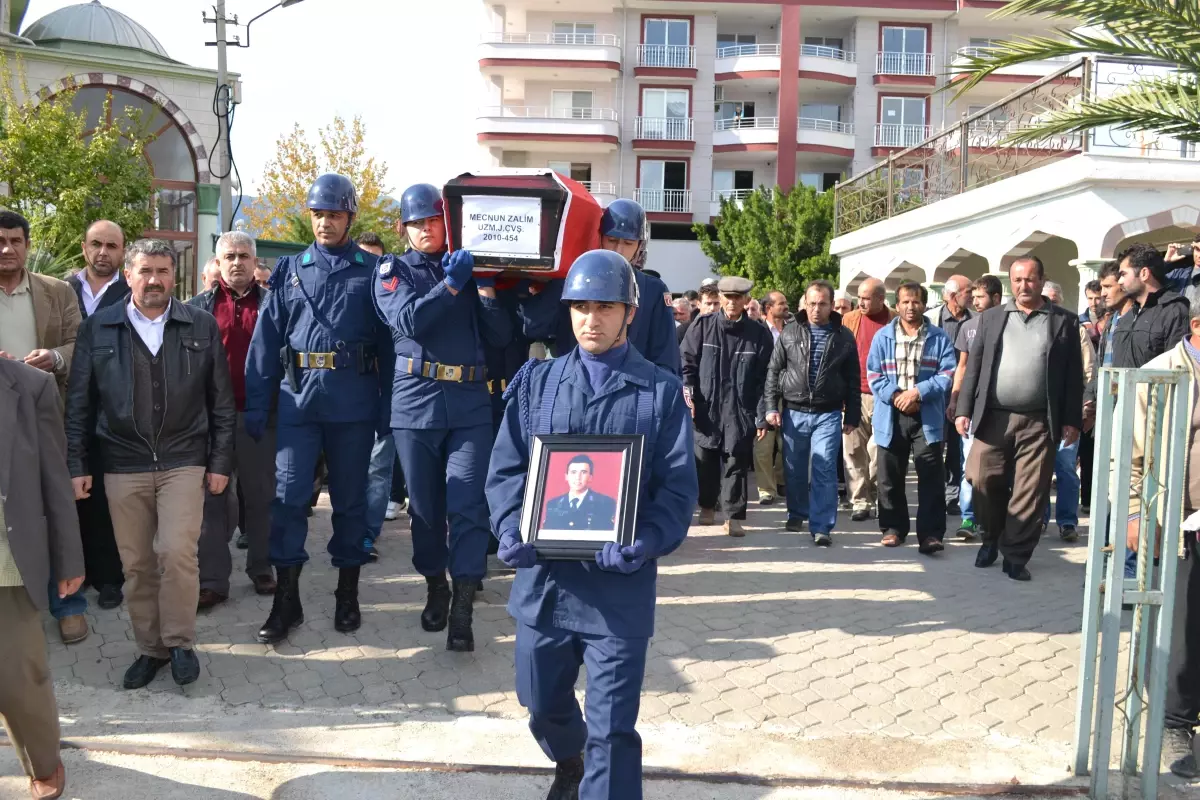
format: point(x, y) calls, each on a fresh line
point(225, 109)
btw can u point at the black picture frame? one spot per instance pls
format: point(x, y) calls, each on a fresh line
point(583, 543)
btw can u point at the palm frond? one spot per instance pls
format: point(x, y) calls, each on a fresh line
point(1159, 105)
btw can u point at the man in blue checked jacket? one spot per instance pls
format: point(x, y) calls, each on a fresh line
point(910, 368)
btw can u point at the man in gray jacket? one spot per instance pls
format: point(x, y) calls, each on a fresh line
point(39, 534)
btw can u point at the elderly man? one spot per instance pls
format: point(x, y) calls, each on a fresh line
point(842, 303)
point(768, 451)
point(39, 538)
point(811, 381)
point(39, 319)
point(157, 368)
point(99, 285)
point(949, 316)
point(211, 275)
point(234, 302)
point(1066, 504)
point(682, 310)
point(725, 358)
point(1021, 395)
point(858, 446)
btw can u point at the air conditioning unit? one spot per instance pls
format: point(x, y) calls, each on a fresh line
point(718, 94)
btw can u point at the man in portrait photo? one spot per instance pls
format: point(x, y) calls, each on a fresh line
point(581, 508)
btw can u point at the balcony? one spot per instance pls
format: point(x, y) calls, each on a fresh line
point(604, 191)
point(665, 201)
point(829, 64)
point(742, 134)
point(899, 69)
point(825, 136)
point(733, 195)
point(540, 56)
point(1023, 73)
point(751, 62)
point(676, 61)
point(893, 135)
point(541, 128)
point(664, 133)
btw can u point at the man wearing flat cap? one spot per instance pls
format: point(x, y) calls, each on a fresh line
point(725, 358)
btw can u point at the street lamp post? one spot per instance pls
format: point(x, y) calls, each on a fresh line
point(224, 103)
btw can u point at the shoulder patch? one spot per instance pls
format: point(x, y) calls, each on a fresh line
point(385, 266)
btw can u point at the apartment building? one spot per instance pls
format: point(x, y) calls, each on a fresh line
point(677, 103)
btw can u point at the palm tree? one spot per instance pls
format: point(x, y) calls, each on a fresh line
point(1165, 33)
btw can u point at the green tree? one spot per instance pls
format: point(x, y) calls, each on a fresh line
point(779, 241)
point(279, 212)
point(62, 177)
point(1164, 101)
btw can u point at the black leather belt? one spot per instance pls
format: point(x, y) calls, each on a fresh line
point(456, 373)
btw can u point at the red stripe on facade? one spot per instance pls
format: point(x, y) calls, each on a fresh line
point(554, 63)
point(683, 73)
point(828, 77)
point(906, 80)
point(547, 137)
point(662, 144)
point(772, 74)
point(667, 216)
point(828, 149)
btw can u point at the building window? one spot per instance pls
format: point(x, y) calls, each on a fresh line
point(734, 114)
point(905, 51)
point(901, 122)
point(667, 43)
point(662, 186)
point(573, 170)
point(995, 121)
point(571, 104)
point(733, 183)
point(825, 111)
point(665, 115)
point(833, 42)
point(574, 33)
point(736, 44)
point(821, 181)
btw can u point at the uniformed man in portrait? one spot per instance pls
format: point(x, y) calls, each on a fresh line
point(581, 509)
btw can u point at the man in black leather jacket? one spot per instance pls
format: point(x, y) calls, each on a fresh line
point(153, 375)
point(812, 378)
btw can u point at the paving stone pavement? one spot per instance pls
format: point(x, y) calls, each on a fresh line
point(768, 632)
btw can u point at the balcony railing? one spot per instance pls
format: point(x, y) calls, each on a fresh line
point(739, 123)
point(821, 51)
point(833, 126)
point(892, 135)
point(731, 194)
point(546, 112)
point(675, 201)
point(669, 129)
point(600, 187)
point(903, 63)
point(983, 52)
point(736, 50)
point(678, 56)
point(606, 39)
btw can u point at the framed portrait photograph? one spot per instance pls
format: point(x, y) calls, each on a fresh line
point(582, 491)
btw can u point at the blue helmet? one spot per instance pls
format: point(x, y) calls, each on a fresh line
point(420, 201)
point(624, 219)
point(332, 192)
point(602, 276)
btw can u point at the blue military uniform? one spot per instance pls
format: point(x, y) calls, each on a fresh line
point(319, 314)
point(575, 613)
point(594, 512)
point(441, 408)
point(544, 316)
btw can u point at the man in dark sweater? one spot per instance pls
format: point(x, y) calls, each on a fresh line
point(1160, 316)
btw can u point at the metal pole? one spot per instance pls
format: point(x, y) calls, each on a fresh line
point(224, 157)
point(891, 157)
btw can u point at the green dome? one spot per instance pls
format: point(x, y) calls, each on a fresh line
point(94, 24)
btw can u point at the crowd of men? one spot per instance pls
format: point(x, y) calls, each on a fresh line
point(185, 422)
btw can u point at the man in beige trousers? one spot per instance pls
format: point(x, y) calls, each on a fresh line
point(39, 536)
point(858, 446)
point(166, 435)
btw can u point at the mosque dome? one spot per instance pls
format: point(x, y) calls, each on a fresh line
point(94, 24)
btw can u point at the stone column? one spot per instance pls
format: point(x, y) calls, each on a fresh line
point(208, 226)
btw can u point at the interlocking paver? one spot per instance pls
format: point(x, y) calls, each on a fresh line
point(766, 632)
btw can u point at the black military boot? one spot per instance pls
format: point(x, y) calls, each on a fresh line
point(346, 616)
point(437, 604)
point(286, 612)
point(460, 638)
point(567, 775)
